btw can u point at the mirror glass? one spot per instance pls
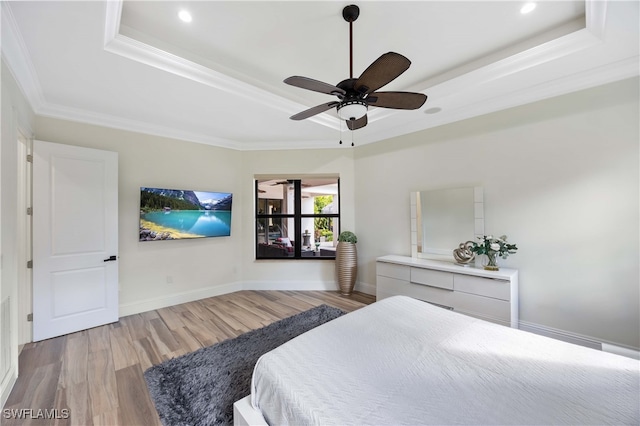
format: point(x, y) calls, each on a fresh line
point(444, 218)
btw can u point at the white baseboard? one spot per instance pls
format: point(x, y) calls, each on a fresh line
point(177, 298)
point(563, 335)
point(7, 385)
point(366, 288)
point(289, 285)
point(619, 350)
point(578, 339)
point(304, 286)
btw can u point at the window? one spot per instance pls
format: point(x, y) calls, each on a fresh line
point(297, 218)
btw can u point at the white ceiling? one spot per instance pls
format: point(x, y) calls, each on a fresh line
point(218, 80)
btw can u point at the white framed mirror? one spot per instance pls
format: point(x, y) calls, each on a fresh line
point(441, 219)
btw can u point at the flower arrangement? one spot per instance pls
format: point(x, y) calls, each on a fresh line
point(491, 245)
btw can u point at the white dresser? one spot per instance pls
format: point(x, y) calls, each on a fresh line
point(489, 295)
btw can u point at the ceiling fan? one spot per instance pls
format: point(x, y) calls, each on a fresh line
point(357, 94)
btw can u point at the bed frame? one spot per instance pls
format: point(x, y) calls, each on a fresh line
point(245, 415)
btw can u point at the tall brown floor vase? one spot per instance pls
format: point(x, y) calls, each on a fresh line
point(346, 267)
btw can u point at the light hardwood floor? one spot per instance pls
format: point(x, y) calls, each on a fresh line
point(97, 376)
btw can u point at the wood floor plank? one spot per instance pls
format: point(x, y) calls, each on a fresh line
point(149, 315)
point(40, 353)
point(224, 330)
point(171, 318)
point(101, 377)
point(134, 403)
point(74, 362)
point(162, 336)
point(109, 418)
point(226, 314)
point(186, 339)
point(137, 326)
point(99, 339)
point(79, 406)
point(40, 391)
point(121, 348)
point(148, 353)
point(200, 330)
point(97, 374)
point(198, 310)
point(64, 417)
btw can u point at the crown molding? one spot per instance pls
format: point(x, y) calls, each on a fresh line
point(15, 55)
point(104, 120)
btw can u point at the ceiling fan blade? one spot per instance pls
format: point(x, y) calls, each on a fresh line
point(315, 85)
point(357, 124)
point(382, 71)
point(315, 110)
point(396, 100)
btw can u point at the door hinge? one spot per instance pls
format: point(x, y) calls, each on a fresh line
point(29, 158)
point(29, 211)
point(29, 317)
point(29, 264)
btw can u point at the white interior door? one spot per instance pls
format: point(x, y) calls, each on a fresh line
point(75, 238)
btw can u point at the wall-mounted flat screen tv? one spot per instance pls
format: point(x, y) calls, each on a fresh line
point(176, 214)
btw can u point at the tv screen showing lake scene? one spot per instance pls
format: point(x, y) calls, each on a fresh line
point(176, 214)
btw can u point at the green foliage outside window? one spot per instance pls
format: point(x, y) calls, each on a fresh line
point(322, 224)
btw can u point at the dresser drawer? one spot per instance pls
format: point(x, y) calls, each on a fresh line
point(391, 270)
point(497, 289)
point(435, 295)
point(483, 307)
point(432, 278)
point(386, 287)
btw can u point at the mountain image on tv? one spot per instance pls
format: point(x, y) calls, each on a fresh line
point(173, 214)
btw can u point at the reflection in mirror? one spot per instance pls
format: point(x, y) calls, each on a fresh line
point(442, 219)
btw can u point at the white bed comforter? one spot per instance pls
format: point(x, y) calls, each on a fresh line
point(402, 361)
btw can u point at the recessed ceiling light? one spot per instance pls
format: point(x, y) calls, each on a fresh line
point(528, 7)
point(185, 16)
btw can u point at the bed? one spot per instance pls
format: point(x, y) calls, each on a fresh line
point(403, 361)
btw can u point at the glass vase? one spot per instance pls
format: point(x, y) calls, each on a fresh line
point(492, 261)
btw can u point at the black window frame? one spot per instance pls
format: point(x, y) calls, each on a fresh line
point(297, 217)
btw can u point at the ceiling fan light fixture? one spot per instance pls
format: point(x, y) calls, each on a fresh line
point(352, 109)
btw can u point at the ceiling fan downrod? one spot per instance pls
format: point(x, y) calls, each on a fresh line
point(350, 14)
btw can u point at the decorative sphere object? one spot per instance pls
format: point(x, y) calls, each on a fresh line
point(463, 254)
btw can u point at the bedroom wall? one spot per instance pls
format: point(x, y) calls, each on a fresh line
point(17, 116)
point(161, 273)
point(206, 267)
point(299, 274)
point(561, 179)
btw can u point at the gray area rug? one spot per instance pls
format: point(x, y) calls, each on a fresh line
point(200, 388)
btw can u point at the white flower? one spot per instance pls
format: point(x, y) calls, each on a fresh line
point(495, 246)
